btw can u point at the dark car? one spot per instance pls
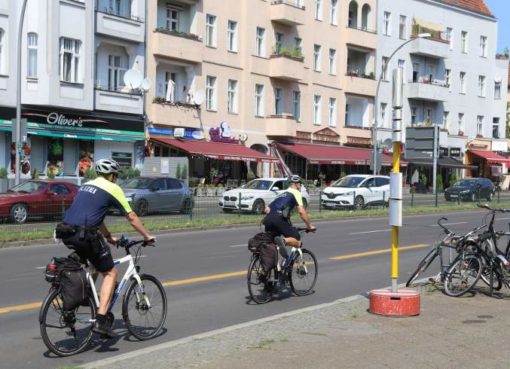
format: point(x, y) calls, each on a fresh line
point(471, 189)
point(36, 198)
point(158, 194)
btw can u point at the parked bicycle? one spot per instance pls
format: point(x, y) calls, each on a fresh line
point(299, 272)
point(144, 307)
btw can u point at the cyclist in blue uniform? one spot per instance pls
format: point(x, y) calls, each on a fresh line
point(278, 213)
point(84, 231)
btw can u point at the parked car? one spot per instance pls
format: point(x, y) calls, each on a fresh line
point(471, 189)
point(158, 194)
point(36, 198)
point(356, 191)
point(256, 194)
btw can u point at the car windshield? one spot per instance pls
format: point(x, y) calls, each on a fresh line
point(465, 183)
point(351, 182)
point(28, 187)
point(258, 184)
point(137, 183)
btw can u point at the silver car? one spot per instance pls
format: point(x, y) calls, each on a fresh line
point(158, 194)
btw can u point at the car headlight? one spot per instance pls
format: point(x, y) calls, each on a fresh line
point(130, 198)
point(350, 193)
point(247, 197)
point(465, 191)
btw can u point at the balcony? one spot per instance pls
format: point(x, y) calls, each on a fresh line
point(177, 45)
point(126, 28)
point(287, 12)
point(433, 47)
point(361, 37)
point(360, 84)
point(435, 92)
point(286, 67)
point(117, 101)
point(178, 114)
point(283, 125)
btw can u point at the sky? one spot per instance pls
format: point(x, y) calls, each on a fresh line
point(501, 10)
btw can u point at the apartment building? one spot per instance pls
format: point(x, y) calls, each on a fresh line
point(451, 79)
point(261, 72)
point(72, 94)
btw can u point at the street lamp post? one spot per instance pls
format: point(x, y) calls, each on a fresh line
point(376, 107)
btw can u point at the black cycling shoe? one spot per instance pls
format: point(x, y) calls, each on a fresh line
point(103, 327)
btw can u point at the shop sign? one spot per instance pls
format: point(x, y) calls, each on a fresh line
point(455, 151)
point(179, 132)
point(61, 120)
point(443, 152)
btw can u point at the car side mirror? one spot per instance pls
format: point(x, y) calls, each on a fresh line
point(275, 188)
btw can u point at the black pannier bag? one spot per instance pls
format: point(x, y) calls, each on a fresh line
point(256, 242)
point(263, 243)
point(68, 274)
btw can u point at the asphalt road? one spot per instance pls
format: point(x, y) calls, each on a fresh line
point(214, 301)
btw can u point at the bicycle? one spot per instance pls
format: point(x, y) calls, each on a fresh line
point(144, 307)
point(300, 272)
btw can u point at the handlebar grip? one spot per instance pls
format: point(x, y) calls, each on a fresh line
point(151, 242)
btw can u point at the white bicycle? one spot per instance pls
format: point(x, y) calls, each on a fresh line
point(144, 307)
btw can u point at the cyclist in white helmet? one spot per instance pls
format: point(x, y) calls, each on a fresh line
point(83, 230)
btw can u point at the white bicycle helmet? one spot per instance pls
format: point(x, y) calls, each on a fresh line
point(107, 166)
point(295, 179)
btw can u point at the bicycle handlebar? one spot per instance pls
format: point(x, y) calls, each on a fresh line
point(306, 230)
point(495, 210)
point(125, 243)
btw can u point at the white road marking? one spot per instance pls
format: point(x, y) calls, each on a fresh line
point(241, 245)
point(374, 231)
point(448, 224)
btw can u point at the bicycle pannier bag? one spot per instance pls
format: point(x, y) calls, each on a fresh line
point(256, 242)
point(268, 256)
point(73, 287)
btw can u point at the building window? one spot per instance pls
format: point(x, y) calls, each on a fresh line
point(318, 9)
point(298, 44)
point(449, 37)
point(479, 124)
point(261, 42)
point(316, 109)
point(317, 58)
point(296, 105)
point(173, 15)
point(461, 124)
point(115, 7)
point(495, 127)
point(483, 46)
point(384, 72)
point(232, 36)
point(402, 29)
point(70, 60)
point(278, 101)
point(387, 24)
point(464, 42)
point(279, 40)
point(413, 115)
point(332, 61)
point(210, 30)
point(259, 100)
point(117, 67)
point(383, 114)
point(482, 92)
point(232, 96)
point(32, 55)
point(210, 93)
point(463, 82)
point(2, 52)
point(448, 78)
point(497, 90)
point(347, 122)
point(446, 115)
point(332, 112)
point(334, 12)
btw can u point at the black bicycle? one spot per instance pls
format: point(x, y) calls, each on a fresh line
point(300, 272)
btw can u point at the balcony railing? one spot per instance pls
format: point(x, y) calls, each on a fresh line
point(363, 28)
point(295, 53)
point(435, 35)
point(359, 74)
point(187, 35)
point(123, 27)
point(118, 101)
point(177, 45)
point(286, 67)
point(287, 12)
point(110, 11)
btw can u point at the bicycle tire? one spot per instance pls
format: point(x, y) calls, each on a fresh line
point(497, 280)
point(52, 324)
point(142, 321)
point(423, 265)
point(462, 275)
point(258, 282)
point(301, 273)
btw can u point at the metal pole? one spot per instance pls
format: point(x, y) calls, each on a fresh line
point(18, 95)
point(434, 160)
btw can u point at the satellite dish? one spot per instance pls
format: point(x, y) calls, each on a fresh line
point(133, 79)
point(199, 97)
point(146, 84)
point(388, 143)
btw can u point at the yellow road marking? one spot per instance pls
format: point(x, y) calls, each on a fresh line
point(377, 252)
point(212, 277)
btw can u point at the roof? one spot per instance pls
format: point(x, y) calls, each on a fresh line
point(477, 6)
point(216, 150)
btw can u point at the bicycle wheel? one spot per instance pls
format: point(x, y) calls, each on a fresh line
point(304, 272)
point(462, 275)
point(497, 280)
point(259, 287)
point(423, 265)
point(144, 307)
point(65, 334)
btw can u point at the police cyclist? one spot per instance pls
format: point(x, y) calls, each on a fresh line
point(278, 212)
point(86, 218)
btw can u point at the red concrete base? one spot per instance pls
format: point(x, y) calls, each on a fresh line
point(402, 303)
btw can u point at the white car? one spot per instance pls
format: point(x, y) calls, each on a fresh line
point(256, 194)
point(356, 191)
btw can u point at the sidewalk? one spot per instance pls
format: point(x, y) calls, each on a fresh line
point(466, 332)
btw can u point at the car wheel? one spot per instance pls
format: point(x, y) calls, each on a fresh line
point(490, 196)
point(19, 213)
point(187, 207)
point(258, 206)
point(473, 197)
point(142, 208)
point(359, 203)
point(225, 210)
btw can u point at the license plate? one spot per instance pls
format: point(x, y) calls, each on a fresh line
point(454, 196)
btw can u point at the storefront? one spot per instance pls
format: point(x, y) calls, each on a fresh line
point(65, 143)
point(491, 164)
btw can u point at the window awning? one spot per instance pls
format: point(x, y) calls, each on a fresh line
point(324, 154)
point(446, 162)
point(491, 157)
point(216, 150)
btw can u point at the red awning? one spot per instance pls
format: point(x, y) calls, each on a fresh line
point(323, 154)
point(216, 150)
point(491, 157)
